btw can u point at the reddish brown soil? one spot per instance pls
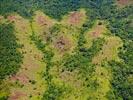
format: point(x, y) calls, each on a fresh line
point(12, 18)
point(75, 18)
point(17, 95)
point(41, 20)
point(123, 2)
point(20, 77)
point(95, 34)
point(63, 44)
point(97, 31)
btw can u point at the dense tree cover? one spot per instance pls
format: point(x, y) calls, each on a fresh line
point(10, 57)
point(3, 98)
point(102, 9)
point(120, 25)
point(123, 88)
point(126, 53)
point(53, 92)
point(54, 8)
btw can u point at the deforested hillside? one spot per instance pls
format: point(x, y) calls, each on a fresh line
point(66, 50)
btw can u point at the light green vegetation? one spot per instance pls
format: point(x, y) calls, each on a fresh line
point(63, 59)
point(29, 77)
point(96, 84)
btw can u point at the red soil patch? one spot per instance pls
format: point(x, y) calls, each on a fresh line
point(95, 34)
point(16, 95)
point(123, 2)
point(12, 18)
point(63, 44)
point(97, 31)
point(75, 18)
point(41, 20)
point(21, 77)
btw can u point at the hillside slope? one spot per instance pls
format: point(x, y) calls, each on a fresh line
point(81, 51)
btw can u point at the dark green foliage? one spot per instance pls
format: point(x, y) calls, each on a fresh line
point(38, 42)
point(101, 9)
point(110, 95)
point(3, 98)
point(10, 57)
point(53, 92)
point(75, 61)
point(122, 86)
point(55, 29)
point(32, 81)
point(23, 7)
point(81, 40)
point(89, 53)
point(53, 8)
point(120, 25)
point(83, 57)
point(48, 55)
point(85, 27)
point(57, 8)
point(127, 53)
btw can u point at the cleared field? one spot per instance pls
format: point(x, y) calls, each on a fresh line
point(76, 18)
point(98, 30)
point(28, 80)
point(109, 51)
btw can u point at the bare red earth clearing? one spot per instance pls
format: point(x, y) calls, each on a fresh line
point(75, 18)
point(124, 2)
point(41, 20)
point(63, 44)
point(16, 95)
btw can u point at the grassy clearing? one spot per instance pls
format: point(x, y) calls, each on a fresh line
point(102, 75)
point(41, 23)
point(66, 36)
point(109, 51)
point(52, 31)
point(29, 76)
point(76, 18)
point(98, 30)
point(61, 38)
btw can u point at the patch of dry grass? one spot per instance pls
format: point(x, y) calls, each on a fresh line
point(109, 50)
point(76, 18)
point(31, 67)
